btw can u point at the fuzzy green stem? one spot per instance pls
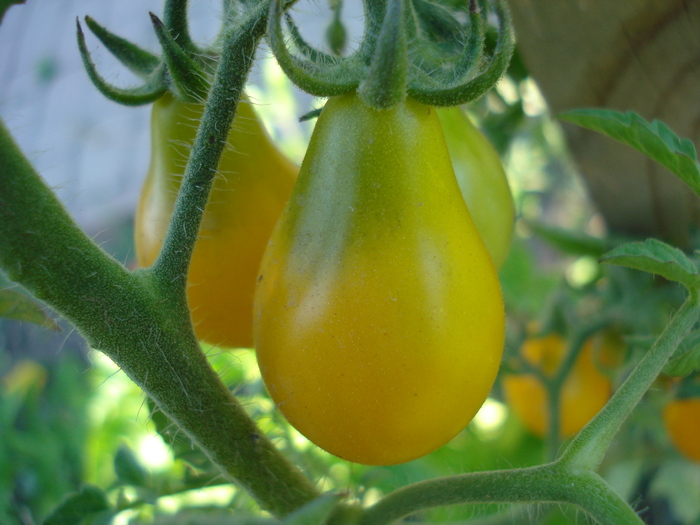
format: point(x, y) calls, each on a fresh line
point(553, 438)
point(546, 483)
point(140, 319)
point(386, 81)
point(147, 337)
point(587, 449)
point(237, 55)
point(555, 385)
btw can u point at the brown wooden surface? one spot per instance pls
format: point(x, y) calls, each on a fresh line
point(641, 55)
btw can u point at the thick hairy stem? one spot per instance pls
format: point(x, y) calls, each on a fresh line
point(140, 322)
point(547, 483)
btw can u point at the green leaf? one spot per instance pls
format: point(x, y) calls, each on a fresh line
point(17, 306)
point(571, 242)
point(655, 139)
point(674, 481)
point(316, 511)
point(90, 502)
point(684, 364)
point(128, 469)
point(656, 257)
point(6, 4)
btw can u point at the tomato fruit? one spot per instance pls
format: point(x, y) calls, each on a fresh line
point(682, 422)
point(482, 181)
point(379, 319)
point(252, 185)
point(584, 393)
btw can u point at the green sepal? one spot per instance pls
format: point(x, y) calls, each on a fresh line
point(654, 139)
point(385, 84)
point(175, 18)
point(473, 48)
point(463, 92)
point(306, 49)
point(20, 307)
point(438, 22)
point(152, 89)
point(439, 71)
point(656, 257)
point(139, 61)
point(189, 81)
point(374, 15)
point(6, 4)
point(309, 76)
point(314, 113)
point(336, 35)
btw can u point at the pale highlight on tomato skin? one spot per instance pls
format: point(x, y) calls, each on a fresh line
point(379, 320)
point(252, 185)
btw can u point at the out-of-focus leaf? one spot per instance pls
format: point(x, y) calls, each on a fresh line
point(91, 502)
point(316, 511)
point(675, 481)
point(572, 242)
point(16, 305)
point(684, 364)
point(128, 469)
point(656, 257)
point(655, 139)
point(624, 476)
point(212, 516)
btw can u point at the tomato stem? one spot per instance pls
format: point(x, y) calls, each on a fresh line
point(385, 85)
point(555, 384)
point(551, 483)
point(170, 268)
point(140, 319)
point(587, 449)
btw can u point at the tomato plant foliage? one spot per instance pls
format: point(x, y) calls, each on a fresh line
point(376, 310)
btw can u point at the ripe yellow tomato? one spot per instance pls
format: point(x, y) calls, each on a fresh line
point(482, 181)
point(585, 390)
point(252, 185)
point(379, 319)
point(682, 421)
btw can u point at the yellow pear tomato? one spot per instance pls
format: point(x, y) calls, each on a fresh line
point(585, 390)
point(379, 319)
point(482, 181)
point(682, 421)
point(252, 185)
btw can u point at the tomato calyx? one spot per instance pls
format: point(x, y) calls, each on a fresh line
point(183, 68)
point(402, 53)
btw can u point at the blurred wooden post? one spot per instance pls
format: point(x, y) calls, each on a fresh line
point(641, 55)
